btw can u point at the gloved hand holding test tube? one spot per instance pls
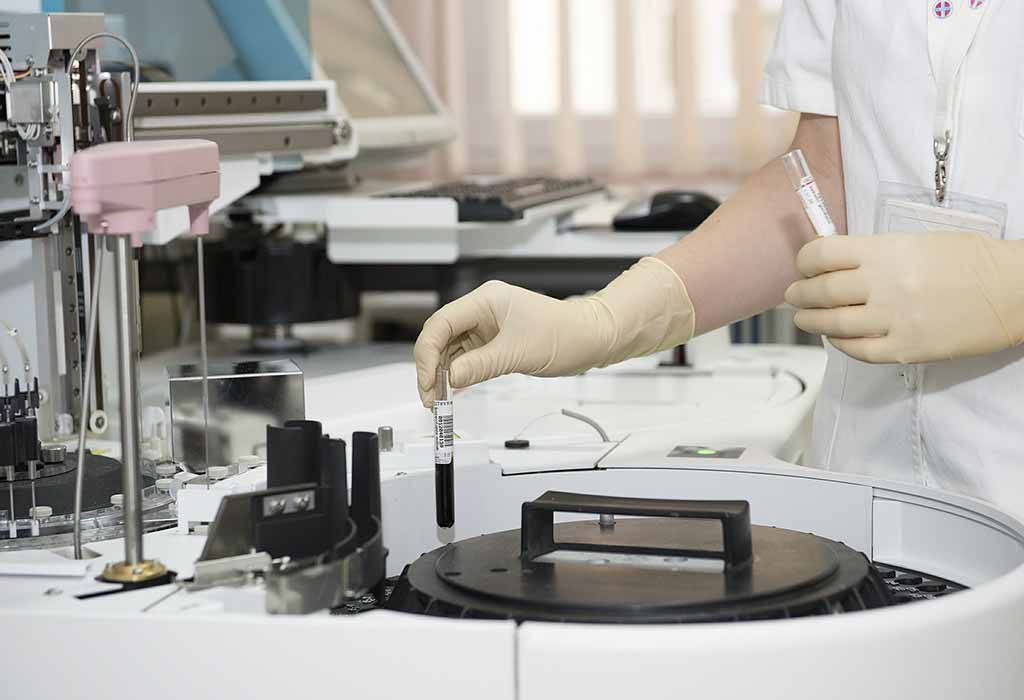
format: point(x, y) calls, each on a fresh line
point(807, 189)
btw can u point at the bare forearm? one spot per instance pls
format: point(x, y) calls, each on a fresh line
point(741, 260)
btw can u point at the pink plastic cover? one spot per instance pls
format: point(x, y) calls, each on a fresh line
point(118, 187)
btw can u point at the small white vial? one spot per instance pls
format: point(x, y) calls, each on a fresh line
point(217, 473)
point(166, 470)
point(247, 462)
point(38, 514)
point(41, 512)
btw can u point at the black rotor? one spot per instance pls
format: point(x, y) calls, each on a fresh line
point(674, 565)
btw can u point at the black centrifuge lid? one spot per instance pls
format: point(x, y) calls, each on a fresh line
point(685, 561)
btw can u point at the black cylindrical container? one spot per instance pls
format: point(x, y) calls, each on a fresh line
point(334, 479)
point(365, 480)
point(290, 457)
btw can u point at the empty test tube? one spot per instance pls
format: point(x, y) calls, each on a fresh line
point(806, 188)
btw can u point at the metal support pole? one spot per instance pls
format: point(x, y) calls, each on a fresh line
point(128, 379)
point(135, 568)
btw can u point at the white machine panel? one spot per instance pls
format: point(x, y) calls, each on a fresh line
point(380, 655)
point(917, 651)
point(935, 536)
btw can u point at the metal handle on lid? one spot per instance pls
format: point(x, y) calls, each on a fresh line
point(538, 526)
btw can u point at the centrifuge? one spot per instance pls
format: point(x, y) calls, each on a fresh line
point(720, 576)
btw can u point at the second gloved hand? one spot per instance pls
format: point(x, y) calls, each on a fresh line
point(901, 298)
point(501, 329)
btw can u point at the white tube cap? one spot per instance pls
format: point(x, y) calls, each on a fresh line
point(217, 473)
point(166, 470)
point(247, 462)
point(40, 512)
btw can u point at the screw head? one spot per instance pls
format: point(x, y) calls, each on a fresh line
point(343, 134)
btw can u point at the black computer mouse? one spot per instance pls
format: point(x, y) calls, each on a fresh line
point(671, 210)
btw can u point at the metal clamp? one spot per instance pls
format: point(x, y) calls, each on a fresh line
point(941, 150)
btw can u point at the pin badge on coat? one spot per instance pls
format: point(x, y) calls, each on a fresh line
point(943, 9)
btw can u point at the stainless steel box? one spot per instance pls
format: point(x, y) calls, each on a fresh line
point(34, 36)
point(30, 101)
point(245, 397)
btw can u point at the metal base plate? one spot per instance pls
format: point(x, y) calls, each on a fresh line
point(143, 572)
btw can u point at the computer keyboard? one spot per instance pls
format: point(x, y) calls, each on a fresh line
point(505, 199)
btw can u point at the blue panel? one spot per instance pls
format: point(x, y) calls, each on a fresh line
point(53, 6)
point(194, 40)
point(229, 72)
point(267, 41)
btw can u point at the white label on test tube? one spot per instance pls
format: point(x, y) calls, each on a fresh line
point(806, 188)
point(814, 205)
point(444, 429)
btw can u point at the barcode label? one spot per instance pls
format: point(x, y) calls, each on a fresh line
point(814, 205)
point(444, 432)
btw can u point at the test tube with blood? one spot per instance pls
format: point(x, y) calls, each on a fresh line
point(444, 452)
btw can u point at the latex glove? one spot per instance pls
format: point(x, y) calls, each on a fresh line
point(501, 329)
point(920, 297)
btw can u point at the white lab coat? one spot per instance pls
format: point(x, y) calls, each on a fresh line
point(955, 425)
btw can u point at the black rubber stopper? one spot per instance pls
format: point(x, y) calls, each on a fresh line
point(517, 444)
